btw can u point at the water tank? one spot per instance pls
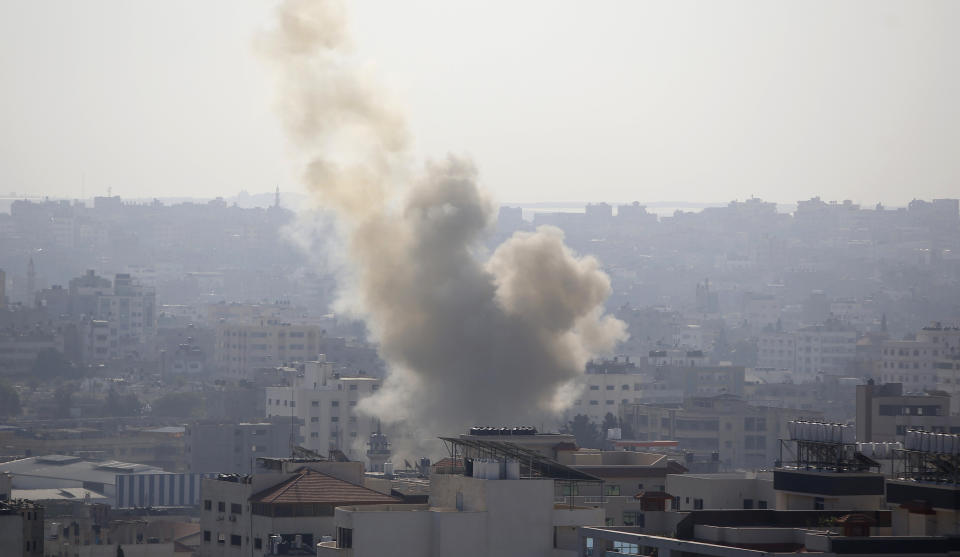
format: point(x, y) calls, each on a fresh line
point(388, 468)
point(513, 470)
point(792, 429)
point(848, 434)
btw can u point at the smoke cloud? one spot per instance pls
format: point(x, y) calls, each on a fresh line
point(469, 337)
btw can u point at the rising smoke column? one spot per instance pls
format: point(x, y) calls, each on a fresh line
point(466, 341)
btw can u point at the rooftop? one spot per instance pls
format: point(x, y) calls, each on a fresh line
point(310, 486)
point(71, 468)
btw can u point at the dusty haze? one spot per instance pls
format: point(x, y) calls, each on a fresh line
point(469, 339)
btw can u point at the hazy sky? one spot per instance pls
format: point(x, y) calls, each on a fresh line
point(555, 100)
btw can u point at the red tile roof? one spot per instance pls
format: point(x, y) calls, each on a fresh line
point(310, 486)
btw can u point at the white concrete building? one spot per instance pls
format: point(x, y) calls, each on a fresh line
point(287, 503)
point(326, 405)
point(490, 506)
point(776, 350)
point(829, 348)
point(733, 490)
point(21, 529)
point(242, 348)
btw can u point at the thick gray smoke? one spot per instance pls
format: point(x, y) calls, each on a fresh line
point(467, 341)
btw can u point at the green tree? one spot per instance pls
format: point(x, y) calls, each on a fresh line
point(51, 364)
point(9, 401)
point(584, 431)
point(63, 399)
point(179, 405)
point(119, 405)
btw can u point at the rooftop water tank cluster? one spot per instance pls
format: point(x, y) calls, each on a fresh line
point(929, 442)
point(879, 450)
point(821, 432)
point(523, 430)
point(492, 469)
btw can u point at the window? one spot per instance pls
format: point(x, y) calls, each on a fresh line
point(314, 419)
point(344, 538)
point(818, 503)
point(761, 504)
point(594, 402)
point(698, 504)
point(625, 388)
point(235, 539)
point(609, 403)
point(221, 506)
point(315, 403)
point(610, 387)
point(594, 387)
point(236, 508)
point(611, 490)
point(568, 490)
point(353, 403)
point(207, 504)
point(335, 403)
point(206, 536)
point(257, 543)
point(632, 518)
point(748, 503)
point(220, 538)
point(353, 387)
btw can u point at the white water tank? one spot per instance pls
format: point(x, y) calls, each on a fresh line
point(513, 470)
point(388, 468)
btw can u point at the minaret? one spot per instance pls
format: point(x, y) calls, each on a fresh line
point(31, 281)
point(379, 451)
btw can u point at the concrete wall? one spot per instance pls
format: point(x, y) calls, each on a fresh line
point(720, 491)
point(11, 533)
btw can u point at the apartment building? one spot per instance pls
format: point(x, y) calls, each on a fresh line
point(285, 507)
point(325, 404)
point(829, 348)
point(724, 428)
point(21, 528)
point(776, 350)
point(885, 412)
point(491, 505)
point(929, 362)
point(232, 448)
point(241, 349)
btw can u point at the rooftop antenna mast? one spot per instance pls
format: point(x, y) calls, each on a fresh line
point(276, 197)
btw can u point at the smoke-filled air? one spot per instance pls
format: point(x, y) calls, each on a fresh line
point(469, 337)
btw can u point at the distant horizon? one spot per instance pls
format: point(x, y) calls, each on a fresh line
point(265, 199)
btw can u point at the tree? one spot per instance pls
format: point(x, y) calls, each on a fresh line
point(609, 422)
point(179, 405)
point(63, 399)
point(118, 405)
point(51, 364)
point(9, 401)
point(584, 431)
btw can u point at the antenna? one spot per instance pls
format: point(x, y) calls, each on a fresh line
point(276, 197)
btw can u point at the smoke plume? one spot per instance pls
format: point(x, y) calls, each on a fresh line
point(469, 337)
